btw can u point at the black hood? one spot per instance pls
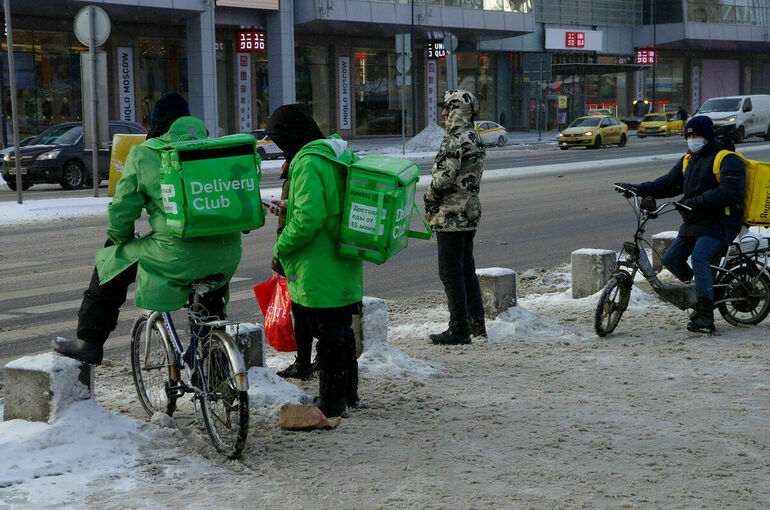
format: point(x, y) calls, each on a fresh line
point(291, 128)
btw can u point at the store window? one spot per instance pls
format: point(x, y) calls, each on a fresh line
point(312, 82)
point(162, 68)
point(669, 82)
point(47, 81)
point(377, 93)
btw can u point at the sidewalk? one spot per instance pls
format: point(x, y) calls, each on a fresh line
point(514, 138)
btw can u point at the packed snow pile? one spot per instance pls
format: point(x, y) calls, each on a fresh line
point(427, 140)
point(44, 465)
point(268, 392)
point(382, 361)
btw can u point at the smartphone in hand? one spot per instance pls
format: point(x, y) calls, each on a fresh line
point(268, 202)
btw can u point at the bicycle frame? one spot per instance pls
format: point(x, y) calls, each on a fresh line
point(175, 351)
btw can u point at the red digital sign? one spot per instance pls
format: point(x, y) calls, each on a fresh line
point(575, 40)
point(646, 56)
point(251, 41)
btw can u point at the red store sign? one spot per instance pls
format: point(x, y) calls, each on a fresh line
point(251, 41)
point(575, 39)
point(646, 56)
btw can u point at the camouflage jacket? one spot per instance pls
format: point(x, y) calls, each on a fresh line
point(452, 198)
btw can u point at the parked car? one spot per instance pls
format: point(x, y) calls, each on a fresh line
point(491, 133)
point(57, 155)
point(265, 146)
point(660, 124)
point(23, 143)
point(738, 117)
point(593, 131)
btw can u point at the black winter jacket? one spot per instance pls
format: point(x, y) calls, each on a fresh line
point(698, 182)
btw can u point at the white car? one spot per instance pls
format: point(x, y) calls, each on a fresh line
point(491, 133)
point(265, 146)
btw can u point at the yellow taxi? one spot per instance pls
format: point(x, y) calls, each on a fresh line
point(660, 124)
point(593, 131)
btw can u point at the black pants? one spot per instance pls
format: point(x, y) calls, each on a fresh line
point(303, 334)
point(336, 348)
point(457, 271)
point(101, 304)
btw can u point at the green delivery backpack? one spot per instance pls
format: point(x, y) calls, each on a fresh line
point(379, 200)
point(210, 186)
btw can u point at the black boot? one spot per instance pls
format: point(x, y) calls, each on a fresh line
point(704, 319)
point(449, 337)
point(297, 370)
point(478, 327)
point(79, 349)
point(331, 408)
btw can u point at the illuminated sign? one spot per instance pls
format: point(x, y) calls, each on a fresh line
point(575, 39)
point(251, 41)
point(435, 49)
point(646, 56)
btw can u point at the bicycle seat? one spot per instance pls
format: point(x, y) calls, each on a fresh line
point(205, 284)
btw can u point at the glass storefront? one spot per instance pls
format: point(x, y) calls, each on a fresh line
point(313, 79)
point(161, 67)
point(669, 82)
point(47, 81)
point(377, 93)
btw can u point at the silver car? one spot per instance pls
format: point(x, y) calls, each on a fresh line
point(265, 146)
point(491, 133)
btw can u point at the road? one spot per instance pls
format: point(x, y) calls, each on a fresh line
point(532, 220)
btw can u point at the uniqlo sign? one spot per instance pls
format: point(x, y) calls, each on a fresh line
point(646, 56)
point(251, 41)
point(575, 39)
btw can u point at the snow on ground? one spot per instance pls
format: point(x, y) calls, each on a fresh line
point(541, 414)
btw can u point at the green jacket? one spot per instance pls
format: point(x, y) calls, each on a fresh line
point(307, 247)
point(167, 264)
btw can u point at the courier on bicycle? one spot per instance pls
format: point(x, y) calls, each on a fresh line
point(163, 266)
point(716, 216)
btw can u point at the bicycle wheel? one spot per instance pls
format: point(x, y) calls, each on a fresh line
point(150, 367)
point(612, 303)
point(748, 290)
point(225, 408)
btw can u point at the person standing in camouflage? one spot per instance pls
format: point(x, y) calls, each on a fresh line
point(453, 209)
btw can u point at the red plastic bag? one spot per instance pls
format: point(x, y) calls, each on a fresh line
point(275, 302)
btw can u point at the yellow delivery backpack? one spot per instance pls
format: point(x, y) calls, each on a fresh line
point(756, 199)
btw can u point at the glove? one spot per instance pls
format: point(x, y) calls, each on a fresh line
point(689, 216)
point(691, 202)
point(627, 189)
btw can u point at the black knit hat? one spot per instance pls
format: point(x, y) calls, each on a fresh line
point(291, 128)
point(170, 102)
point(700, 125)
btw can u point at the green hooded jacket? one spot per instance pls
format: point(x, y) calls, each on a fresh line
point(167, 264)
point(307, 247)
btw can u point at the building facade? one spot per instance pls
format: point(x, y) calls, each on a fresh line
point(237, 60)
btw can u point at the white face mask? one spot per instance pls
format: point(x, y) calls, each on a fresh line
point(696, 144)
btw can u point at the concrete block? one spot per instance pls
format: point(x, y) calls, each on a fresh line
point(39, 388)
point(498, 289)
point(371, 327)
point(250, 339)
point(590, 271)
point(660, 243)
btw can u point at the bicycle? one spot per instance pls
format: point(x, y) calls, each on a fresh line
point(741, 281)
point(213, 368)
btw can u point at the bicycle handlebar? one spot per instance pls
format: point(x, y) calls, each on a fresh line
point(656, 212)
